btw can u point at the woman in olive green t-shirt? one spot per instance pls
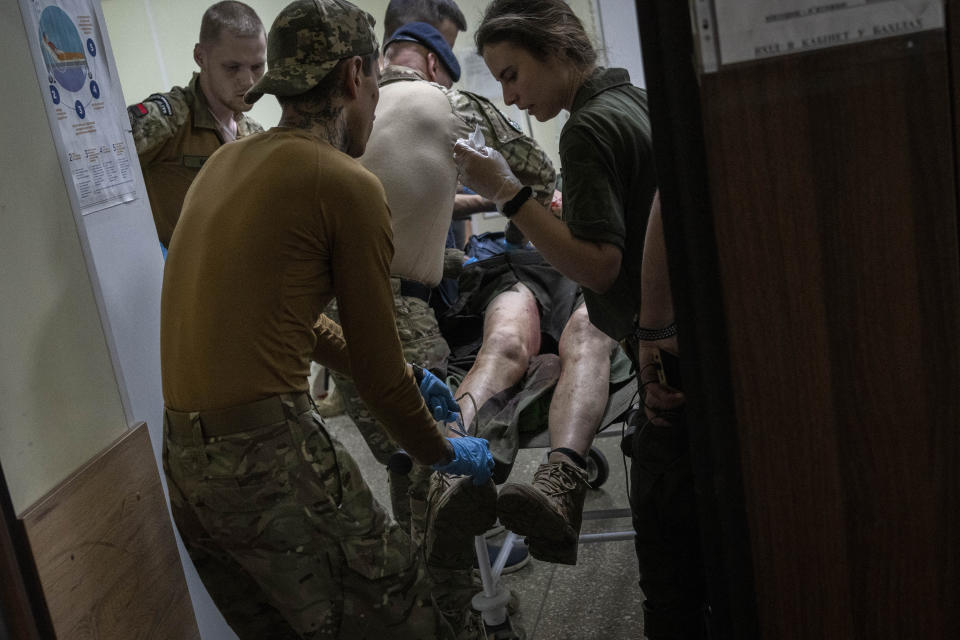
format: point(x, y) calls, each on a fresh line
point(543, 58)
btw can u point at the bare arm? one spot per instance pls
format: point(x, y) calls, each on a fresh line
point(656, 300)
point(594, 265)
point(656, 312)
point(467, 204)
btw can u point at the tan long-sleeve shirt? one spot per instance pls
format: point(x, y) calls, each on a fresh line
point(273, 227)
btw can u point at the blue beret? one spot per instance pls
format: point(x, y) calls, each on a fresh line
point(425, 34)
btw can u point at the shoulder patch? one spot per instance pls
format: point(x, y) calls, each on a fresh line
point(162, 103)
point(137, 110)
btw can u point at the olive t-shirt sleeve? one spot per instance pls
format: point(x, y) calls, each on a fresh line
point(592, 206)
point(357, 224)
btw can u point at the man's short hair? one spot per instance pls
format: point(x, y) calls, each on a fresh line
point(237, 18)
point(433, 12)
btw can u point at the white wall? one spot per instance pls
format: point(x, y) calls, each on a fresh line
point(621, 37)
point(59, 400)
point(80, 347)
point(153, 44)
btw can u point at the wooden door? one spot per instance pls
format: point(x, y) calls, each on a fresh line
point(810, 209)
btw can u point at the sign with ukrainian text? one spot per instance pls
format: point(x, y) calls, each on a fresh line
point(732, 31)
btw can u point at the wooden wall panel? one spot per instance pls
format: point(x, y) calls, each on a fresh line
point(832, 179)
point(105, 550)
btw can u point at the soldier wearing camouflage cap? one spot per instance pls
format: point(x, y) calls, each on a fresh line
point(175, 132)
point(284, 530)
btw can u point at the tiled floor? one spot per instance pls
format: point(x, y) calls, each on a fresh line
point(596, 599)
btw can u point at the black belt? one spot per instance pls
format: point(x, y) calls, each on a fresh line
point(414, 289)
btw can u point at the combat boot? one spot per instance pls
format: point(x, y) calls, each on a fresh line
point(457, 510)
point(548, 512)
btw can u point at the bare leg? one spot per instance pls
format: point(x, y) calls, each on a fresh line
point(550, 510)
point(581, 394)
point(511, 336)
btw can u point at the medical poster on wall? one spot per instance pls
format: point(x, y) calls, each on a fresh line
point(732, 31)
point(82, 100)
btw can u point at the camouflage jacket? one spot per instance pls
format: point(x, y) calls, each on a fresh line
point(175, 133)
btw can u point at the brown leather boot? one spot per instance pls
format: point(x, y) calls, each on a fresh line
point(457, 510)
point(548, 512)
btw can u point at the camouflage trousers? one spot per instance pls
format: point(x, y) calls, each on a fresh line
point(423, 345)
point(284, 531)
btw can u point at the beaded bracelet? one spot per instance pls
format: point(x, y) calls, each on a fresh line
point(652, 335)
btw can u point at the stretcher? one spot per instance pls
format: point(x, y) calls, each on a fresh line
point(492, 600)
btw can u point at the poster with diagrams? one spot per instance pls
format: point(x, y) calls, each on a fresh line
point(732, 31)
point(82, 99)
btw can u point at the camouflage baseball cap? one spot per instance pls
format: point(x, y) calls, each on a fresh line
point(306, 42)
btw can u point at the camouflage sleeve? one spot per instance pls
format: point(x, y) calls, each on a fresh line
point(247, 126)
point(452, 262)
point(156, 120)
point(532, 166)
point(528, 160)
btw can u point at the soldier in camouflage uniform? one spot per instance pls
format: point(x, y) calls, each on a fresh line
point(282, 526)
point(419, 118)
point(175, 132)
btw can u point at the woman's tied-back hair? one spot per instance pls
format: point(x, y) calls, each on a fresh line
point(545, 28)
point(236, 18)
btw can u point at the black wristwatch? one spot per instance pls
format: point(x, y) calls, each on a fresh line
point(513, 205)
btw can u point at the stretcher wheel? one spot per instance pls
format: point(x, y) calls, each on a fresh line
point(598, 469)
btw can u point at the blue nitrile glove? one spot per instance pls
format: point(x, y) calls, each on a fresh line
point(471, 457)
point(438, 397)
point(508, 246)
point(469, 260)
